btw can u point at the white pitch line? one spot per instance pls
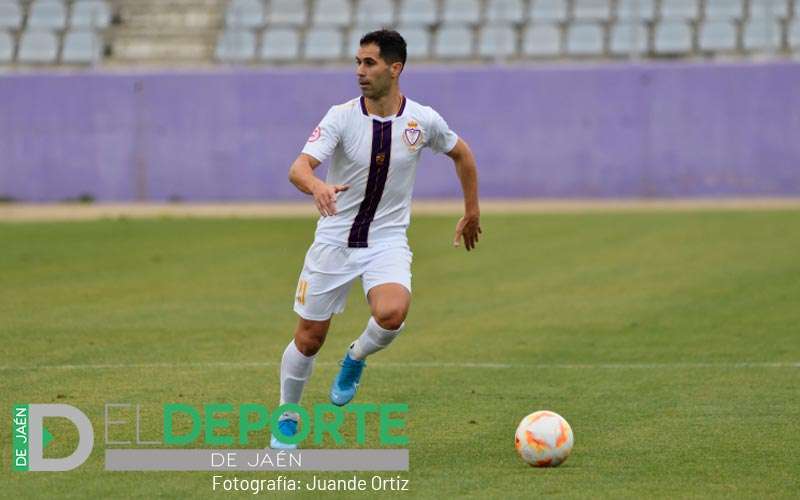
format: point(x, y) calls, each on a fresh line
point(420, 364)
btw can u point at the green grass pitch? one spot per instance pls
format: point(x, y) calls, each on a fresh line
point(670, 341)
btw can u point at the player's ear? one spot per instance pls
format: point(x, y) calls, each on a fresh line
point(396, 68)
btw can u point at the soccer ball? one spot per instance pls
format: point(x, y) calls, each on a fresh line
point(544, 439)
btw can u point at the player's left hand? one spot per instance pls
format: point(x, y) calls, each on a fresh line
point(469, 228)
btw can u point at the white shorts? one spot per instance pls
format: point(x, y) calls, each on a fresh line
point(329, 272)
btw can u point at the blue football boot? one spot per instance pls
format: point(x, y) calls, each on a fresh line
point(288, 427)
point(346, 382)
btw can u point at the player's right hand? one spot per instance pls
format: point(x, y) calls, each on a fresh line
point(325, 197)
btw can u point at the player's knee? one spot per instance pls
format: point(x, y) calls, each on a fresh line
point(309, 338)
point(390, 318)
point(308, 345)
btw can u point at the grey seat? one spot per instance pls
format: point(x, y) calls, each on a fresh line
point(717, 36)
point(10, 15)
point(245, 14)
point(505, 11)
point(287, 13)
point(497, 40)
point(236, 45)
point(332, 13)
point(377, 13)
point(47, 14)
point(628, 38)
point(453, 42)
point(636, 10)
point(280, 44)
point(585, 39)
point(417, 12)
point(761, 35)
point(324, 44)
point(354, 39)
point(724, 10)
point(38, 46)
point(541, 40)
point(771, 9)
point(597, 10)
point(680, 9)
point(82, 47)
point(461, 12)
point(95, 14)
point(673, 37)
point(418, 39)
point(794, 35)
point(6, 47)
point(548, 10)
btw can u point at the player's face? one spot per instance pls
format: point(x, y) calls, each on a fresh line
point(375, 76)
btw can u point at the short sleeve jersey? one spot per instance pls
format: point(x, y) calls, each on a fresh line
point(377, 157)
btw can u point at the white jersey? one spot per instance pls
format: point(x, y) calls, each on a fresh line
point(377, 157)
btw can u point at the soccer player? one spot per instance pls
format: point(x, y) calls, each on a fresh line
point(374, 143)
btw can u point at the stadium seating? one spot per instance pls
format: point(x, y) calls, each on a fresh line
point(375, 13)
point(38, 46)
point(453, 42)
point(47, 14)
point(673, 37)
point(628, 38)
point(680, 10)
point(761, 35)
point(245, 14)
point(505, 12)
point(81, 47)
point(497, 41)
point(585, 39)
point(592, 10)
point(771, 9)
point(324, 44)
point(794, 35)
point(717, 36)
point(353, 39)
point(6, 47)
point(633, 10)
point(307, 31)
point(332, 13)
point(461, 11)
point(10, 15)
point(541, 40)
point(548, 10)
point(724, 10)
point(236, 46)
point(92, 14)
point(417, 13)
point(287, 13)
point(418, 40)
point(280, 44)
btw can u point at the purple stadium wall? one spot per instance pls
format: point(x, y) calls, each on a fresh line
point(654, 130)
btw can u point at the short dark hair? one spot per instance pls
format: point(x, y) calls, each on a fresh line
point(391, 44)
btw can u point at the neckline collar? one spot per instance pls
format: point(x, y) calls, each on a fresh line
point(363, 101)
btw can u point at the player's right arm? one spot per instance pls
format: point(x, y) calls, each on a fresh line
point(301, 174)
point(318, 148)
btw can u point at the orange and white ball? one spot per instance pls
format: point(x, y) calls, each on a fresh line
point(544, 439)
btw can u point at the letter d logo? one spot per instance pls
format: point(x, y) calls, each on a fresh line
point(37, 462)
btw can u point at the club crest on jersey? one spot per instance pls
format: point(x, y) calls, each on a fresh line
point(412, 135)
point(315, 135)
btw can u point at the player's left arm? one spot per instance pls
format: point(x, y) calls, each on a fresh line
point(469, 226)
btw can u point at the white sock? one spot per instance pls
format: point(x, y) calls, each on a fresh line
point(372, 340)
point(295, 371)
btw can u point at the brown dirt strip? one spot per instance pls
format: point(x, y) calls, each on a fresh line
point(20, 212)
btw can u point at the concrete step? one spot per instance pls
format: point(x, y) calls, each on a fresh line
point(165, 47)
point(166, 32)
